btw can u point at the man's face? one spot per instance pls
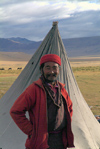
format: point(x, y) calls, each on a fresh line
point(51, 71)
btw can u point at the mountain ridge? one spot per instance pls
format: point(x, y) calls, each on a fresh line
point(83, 46)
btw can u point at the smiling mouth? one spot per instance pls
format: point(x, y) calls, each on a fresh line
point(54, 75)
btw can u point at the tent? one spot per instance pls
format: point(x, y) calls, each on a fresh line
point(85, 127)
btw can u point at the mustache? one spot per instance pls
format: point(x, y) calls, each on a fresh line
point(48, 75)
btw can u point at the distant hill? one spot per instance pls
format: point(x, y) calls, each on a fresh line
point(18, 45)
point(85, 46)
point(14, 56)
point(21, 40)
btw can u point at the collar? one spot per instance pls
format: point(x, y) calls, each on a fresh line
point(56, 85)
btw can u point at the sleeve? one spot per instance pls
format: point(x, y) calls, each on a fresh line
point(18, 112)
point(69, 103)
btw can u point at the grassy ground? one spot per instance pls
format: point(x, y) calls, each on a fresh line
point(89, 84)
point(5, 83)
point(88, 79)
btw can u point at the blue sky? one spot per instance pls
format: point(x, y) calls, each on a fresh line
point(33, 19)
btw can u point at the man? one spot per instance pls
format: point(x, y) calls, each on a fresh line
point(49, 108)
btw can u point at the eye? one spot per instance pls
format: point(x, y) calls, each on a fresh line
point(48, 68)
point(55, 67)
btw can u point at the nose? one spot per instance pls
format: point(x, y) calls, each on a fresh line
point(52, 71)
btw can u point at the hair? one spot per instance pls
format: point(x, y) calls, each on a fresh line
point(41, 67)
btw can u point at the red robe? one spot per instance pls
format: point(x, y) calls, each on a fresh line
point(33, 100)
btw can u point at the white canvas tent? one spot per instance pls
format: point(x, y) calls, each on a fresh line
point(85, 127)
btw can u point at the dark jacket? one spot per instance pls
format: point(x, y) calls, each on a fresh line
point(33, 100)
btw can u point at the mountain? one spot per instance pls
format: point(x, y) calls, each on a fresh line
point(21, 40)
point(85, 46)
point(18, 45)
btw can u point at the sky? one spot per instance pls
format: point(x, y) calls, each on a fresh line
point(33, 19)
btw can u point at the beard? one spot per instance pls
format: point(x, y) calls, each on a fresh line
point(46, 77)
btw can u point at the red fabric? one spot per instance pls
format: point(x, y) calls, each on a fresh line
point(33, 100)
point(50, 58)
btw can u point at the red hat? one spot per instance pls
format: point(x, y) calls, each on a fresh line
point(50, 58)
